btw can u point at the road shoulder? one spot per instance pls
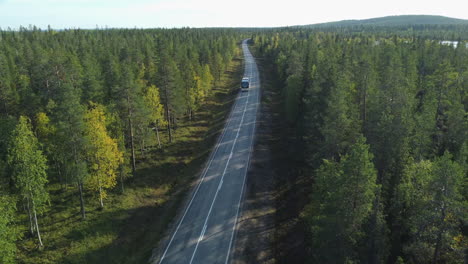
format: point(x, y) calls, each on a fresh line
point(256, 224)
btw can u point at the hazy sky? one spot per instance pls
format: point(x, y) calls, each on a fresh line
point(210, 13)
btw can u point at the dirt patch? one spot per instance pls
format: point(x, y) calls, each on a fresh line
point(269, 228)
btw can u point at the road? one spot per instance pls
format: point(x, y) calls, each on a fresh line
point(206, 230)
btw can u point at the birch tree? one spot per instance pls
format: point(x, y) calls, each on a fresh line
point(28, 167)
point(156, 109)
point(102, 152)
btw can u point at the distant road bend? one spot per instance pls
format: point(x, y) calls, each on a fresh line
point(206, 230)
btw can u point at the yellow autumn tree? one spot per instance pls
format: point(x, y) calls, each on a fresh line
point(201, 89)
point(156, 109)
point(44, 127)
point(102, 152)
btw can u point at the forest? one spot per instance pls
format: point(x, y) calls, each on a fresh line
point(379, 123)
point(80, 108)
point(378, 116)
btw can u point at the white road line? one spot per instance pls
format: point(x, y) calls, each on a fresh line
point(213, 154)
point(220, 140)
point(245, 175)
point(202, 234)
point(222, 177)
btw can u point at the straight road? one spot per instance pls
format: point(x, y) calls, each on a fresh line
point(206, 230)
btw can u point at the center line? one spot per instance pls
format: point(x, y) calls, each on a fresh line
point(221, 181)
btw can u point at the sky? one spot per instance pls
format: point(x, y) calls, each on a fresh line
point(61, 14)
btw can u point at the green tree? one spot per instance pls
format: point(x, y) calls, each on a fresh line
point(206, 79)
point(217, 65)
point(69, 141)
point(169, 82)
point(92, 80)
point(341, 124)
point(28, 167)
point(130, 104)
point(7, 125)
point(8, 231)
point(430, 199)
point(294, 86)
point(153, 102)
point(8, 95)
point(446, 97)
point(342, 200)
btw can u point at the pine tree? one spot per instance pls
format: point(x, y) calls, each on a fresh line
point(169, 82)
point(93, 89)
point(69, 141)
point(8, 96)
point(341, 124)
point(206, 79)
point(217, 65)
point(342, 200)
point(430, 199)
point(294, 87)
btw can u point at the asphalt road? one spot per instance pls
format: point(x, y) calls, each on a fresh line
point(206, 229)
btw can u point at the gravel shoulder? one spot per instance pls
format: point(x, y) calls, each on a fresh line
point(256, 225)
point(270, 229)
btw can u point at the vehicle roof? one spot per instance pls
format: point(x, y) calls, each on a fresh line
point(245, 78)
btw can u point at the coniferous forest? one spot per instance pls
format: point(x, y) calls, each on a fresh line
point(378, 116)
point(380, 126)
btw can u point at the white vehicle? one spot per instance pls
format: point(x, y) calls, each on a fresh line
point(245, 84)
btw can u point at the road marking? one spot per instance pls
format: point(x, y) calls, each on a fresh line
point(248, 68)
point(220, 140)
point(222, 177)
point(245, 174)
point(202, 234)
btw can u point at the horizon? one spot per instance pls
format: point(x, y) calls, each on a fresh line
point(88, 14)
point(99, 27)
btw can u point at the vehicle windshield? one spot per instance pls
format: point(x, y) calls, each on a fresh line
point(245, 84)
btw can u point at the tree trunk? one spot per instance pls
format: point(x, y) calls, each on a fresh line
point(82, 206)
point(37, 225)
point(169, 129)
point(66, 174)
point(31, 224)
point(122, 182)
point(60, 176)
point(373, 250)
point(157, 135)
point(168, 115)
point(100, 196)
point(435, 258)
point(364, 110)
point(142, 148)
point(437, 116)
point(132, 146)
point(132, 143)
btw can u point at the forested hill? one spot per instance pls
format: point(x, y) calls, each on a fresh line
point(395, 21)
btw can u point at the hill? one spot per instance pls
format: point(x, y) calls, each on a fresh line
point(395, 21)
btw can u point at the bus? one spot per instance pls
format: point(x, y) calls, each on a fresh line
point(245, 84)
